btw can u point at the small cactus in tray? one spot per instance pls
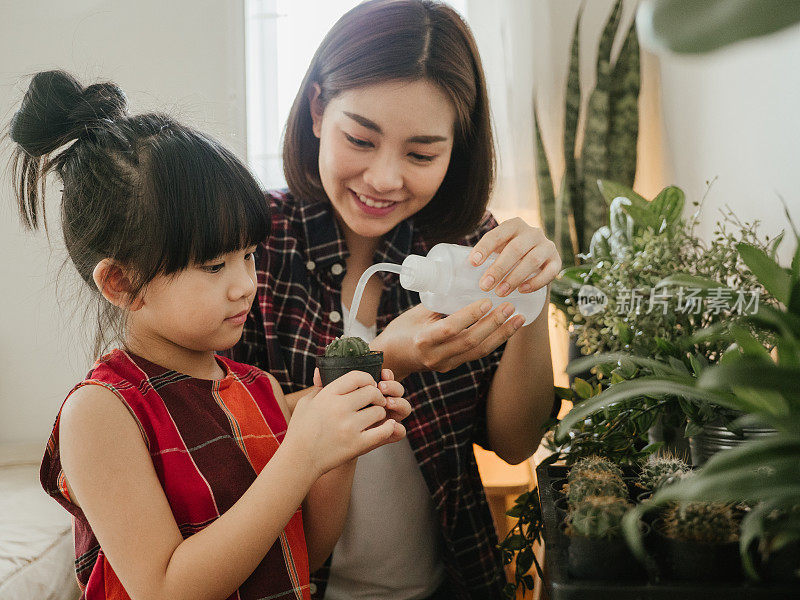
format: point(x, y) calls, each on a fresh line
point(347, 346)
point(707, 522)
point(597, 485)
point(657, 471)
point(593, 465)
point(597, 517)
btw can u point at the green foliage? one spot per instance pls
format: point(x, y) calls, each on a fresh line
point(520, 540)
point(347, 346)
point(597, 517)
point(593, 465)
point(707, 522)
point(764, 473)
point(646, 260)
point(585, 487)
point(609, 140)
point(694, 27)
point(660, 469)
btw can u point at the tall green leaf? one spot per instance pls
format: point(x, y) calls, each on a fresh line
point(572, 110)
point(775, 279)
point(544, 182)
point(693, 27)
point(592, 212)
point(623, 129)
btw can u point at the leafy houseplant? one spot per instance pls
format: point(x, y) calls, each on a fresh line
point(347, 354)
point(572, 214)
point(763, 473)
point(648, 251)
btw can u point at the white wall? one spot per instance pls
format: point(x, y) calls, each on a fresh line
point(182, 56)
point(735, 115)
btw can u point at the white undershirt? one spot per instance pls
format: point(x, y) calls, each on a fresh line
point(390, 548)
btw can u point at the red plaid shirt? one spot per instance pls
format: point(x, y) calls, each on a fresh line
point(298, 312)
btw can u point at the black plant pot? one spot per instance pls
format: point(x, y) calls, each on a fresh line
point(697, 561)
point(607, 559)
point(333, 367)
point(562, 506)
point(780, 566)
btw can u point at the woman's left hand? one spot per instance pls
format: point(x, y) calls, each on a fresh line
point(526, 258)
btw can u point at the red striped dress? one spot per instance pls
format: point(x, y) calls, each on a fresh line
point(208, 441)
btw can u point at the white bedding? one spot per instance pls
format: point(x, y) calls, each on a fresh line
point(36, 546)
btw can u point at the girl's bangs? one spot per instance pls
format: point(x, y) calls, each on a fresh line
point(209, 203)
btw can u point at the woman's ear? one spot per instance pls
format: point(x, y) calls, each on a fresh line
point(316, 109)
point(112, 281)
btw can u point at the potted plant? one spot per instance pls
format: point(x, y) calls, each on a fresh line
point(698, 542)
point(597, 549)
point(659, 470)
point(347, 354)
point(648, 248)
point(748, 379)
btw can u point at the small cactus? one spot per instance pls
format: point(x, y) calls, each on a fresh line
point(597, 517)
point(657, 471)
point(347, 346)
point(600, 485)
point(593, 464)
point(707, 522)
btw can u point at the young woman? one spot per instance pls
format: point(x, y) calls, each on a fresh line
point(177, 465)
point(388, 150)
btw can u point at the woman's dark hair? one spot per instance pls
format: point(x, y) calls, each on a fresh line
point(151, 194)
point(384, 40)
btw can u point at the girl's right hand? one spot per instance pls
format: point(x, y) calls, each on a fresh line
point(337, 423)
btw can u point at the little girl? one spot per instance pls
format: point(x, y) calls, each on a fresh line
point(177, 464)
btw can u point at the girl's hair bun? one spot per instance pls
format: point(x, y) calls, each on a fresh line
point(57, 109)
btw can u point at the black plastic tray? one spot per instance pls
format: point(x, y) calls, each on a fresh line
point(560, 586)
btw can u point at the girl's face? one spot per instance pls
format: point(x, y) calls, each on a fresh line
point(200, 309)
point(384, 150)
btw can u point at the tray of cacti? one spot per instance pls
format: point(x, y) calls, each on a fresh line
point(347, 354)
point(693, 549)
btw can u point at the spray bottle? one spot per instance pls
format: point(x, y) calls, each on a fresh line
point(447, 282)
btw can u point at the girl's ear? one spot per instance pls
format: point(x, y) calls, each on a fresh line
point(315, 107)
point(112, 281)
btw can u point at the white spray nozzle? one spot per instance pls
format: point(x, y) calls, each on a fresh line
point(418, 273)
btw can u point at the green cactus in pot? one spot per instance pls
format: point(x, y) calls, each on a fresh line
point(658, 470)
point(597, 517)
point(593, 465)
point(347, 346)
point(597, 485)
point(347, 354)
point(706, 522)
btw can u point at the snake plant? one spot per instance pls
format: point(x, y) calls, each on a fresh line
point(608, 148)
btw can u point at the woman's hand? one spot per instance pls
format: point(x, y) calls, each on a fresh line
point(526, 258)
point(422, 340)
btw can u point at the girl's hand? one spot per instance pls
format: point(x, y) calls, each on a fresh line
point(397, 407)
point(526, 258)
point(343, 420)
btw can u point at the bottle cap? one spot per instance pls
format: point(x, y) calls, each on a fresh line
point(418, 273)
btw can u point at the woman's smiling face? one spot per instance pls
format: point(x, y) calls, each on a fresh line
point(384, 150)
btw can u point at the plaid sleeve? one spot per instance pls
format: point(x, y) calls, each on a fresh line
point(486, 366)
